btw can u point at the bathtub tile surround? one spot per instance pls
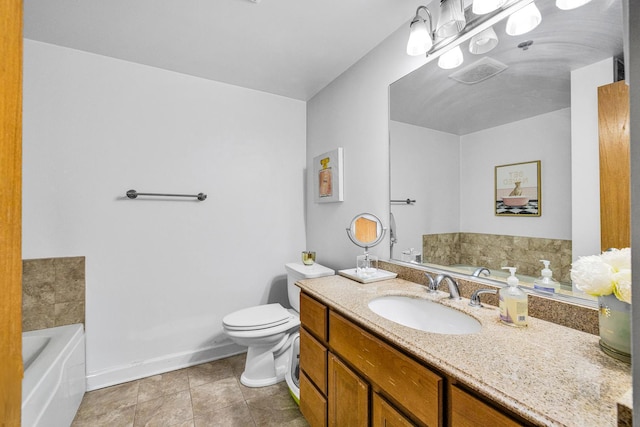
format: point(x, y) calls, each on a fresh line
point(203, 395)
point(496, 251)
point(581, 318)
point(53, 292)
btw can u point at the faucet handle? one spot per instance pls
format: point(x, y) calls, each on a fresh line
point(475, 296)
point(481, 270)
point(432, 284)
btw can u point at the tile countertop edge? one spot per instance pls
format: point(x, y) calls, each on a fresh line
point(350, 298)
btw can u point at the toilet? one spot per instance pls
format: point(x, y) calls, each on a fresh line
point(270, 332)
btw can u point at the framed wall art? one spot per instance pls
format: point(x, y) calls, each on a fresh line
point(328, 172)
point(517, 189)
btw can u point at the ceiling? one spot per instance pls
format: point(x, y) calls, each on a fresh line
point(536, 81)
point(292, 48)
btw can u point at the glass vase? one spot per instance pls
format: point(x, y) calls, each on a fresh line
point(615, 327)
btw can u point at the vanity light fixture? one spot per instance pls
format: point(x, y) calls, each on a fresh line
point(482, 7)
point(451, 20)
point(483, 42)
point(420, 38)
point(451, 59)
point(570, 4)
point(524, 20)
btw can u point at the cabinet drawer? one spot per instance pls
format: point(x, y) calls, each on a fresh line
point(468, 411)
point(313, 360)
point(313, 404)
point(385, 415)
point(313, 316)
point(410, 385)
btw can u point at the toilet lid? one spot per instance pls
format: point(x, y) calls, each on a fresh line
point(259, 317)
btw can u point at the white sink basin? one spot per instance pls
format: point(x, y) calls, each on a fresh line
point(424, 315)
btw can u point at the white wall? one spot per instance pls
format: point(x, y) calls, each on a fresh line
point(160, 274)
point(434, 182)
point(547, 138)
point(585, 170)
point(455, 191)
point(352, 112)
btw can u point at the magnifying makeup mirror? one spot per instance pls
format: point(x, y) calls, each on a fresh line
point(366, 230)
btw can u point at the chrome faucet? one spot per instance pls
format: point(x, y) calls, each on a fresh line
point(478, 271)
point(434, 284)
point(475, 296)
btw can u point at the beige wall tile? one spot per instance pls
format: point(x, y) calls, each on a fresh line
point(53, 292)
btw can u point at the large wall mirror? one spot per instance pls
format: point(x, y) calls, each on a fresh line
point(452, 129)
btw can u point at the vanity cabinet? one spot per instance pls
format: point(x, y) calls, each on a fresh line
point(350, 377)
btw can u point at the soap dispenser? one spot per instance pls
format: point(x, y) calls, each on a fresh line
point(546, 283)
point(513, 302)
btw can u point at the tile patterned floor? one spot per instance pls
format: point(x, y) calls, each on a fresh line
point(200, 396)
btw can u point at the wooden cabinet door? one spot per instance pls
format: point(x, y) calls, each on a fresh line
point(615, 166)
point(385, 415)
point(348, 396)
point(467, 411)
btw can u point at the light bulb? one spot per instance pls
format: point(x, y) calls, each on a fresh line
point(451, 20)
point(483, 42)
point(419, 38)
point(570, 4)
point(451, 59)
point(481, 7)
point(524, 20)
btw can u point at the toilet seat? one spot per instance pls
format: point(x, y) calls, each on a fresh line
point(258, 317)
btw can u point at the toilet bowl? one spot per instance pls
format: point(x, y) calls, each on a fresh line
point(270, 332)
point(266, 331)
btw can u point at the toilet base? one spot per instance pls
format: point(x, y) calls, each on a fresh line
point(260, 382)
point(266, 366)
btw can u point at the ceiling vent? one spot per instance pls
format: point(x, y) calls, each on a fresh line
point(480, 70)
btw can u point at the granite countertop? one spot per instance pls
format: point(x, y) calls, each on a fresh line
point(548, 374)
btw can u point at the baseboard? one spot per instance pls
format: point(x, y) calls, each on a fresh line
point(147, 368)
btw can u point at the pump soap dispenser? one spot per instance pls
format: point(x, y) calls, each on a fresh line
point(513, 302)
point(546, 283)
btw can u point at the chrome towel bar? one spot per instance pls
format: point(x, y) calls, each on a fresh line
point(132, 194)
point(406, 201)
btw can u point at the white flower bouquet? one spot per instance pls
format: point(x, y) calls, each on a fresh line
point(604, 274)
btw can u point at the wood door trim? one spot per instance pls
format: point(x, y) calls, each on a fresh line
point(11, 212)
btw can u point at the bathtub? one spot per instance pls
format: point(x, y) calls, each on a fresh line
point(54, 375)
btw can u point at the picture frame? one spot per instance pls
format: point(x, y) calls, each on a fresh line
point(518, 190)
point(328, 173)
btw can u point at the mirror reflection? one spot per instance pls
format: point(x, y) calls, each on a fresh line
point(366, 230)
point(450, 128)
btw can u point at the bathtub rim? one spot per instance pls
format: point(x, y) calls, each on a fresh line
point(62, 339)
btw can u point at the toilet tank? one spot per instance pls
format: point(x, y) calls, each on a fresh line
point(298, 271)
